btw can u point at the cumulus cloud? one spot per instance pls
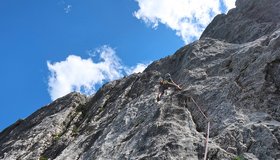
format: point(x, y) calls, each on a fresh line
point(85, 75)
point(187, 17)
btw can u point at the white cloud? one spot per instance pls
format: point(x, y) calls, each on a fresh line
point(85, 75)
point(187, 17)
point(140, 67)
point(67, 8)
point(229, 4)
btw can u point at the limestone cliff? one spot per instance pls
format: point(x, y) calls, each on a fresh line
point(232, 72)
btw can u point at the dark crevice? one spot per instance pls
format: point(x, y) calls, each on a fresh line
point(130, 135)
point(241, 74)
point(91, 140)
point(186, 102)
point(272, 73)
point(54, 150)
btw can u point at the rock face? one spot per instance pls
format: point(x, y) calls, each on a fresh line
point(250, 20)
point(232, 73)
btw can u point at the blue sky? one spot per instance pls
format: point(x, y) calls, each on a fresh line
point(44, 45)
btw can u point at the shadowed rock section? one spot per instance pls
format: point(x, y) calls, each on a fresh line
point(236, 85)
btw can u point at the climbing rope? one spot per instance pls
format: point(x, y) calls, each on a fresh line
point(208, 129)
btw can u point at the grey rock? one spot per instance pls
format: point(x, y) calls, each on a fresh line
point(250, 20)
point(236, 85)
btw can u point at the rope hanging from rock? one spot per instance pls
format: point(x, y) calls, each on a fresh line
point(208, 129)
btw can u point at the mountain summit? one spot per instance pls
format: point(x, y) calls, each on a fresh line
point(232, 74)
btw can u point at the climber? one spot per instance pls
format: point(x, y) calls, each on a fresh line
point(165, 84)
